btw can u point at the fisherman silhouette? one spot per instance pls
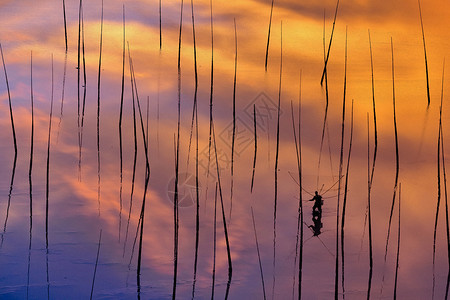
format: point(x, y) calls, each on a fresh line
point(317, 220)
point(318, 203)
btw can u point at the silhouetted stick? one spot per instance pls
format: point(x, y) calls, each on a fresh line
point(30, 169)
point(78, 87)
point(177, 161)
point(425, 55)
point(259, 256)
point(341, 158)
point(396, 165)
point(371, 175)
point(81, 109)
point(300, 196)
point(135, 154)
point(211, 95)
point(299, 237)
point(84, 85)
point(65, 25)
point(256, 147)
point(276, 165)
point(268, 37)
point(15, 146)
point(398, 243)
point(234, 118)
point(448, 285)
point(344, 204)
point(9, 102)
point(197, 195)
point(374, 115)
point(326, 104)
point(47, 271)
point(62, 95)
point(439, 181)
point(369, 215)
point(230, 267)
point(194, 106)
point(147, 178)
point(194, 115)
point(47, 182)
point(298, 219)
point(120, 122)
point(157, 101)
point(138, 227)
point(329, 46)
point(11, 185)
point(96, 263)
point(160, 26)
point(29, 173)
point(98, 110)
point(214, 245)
point(446, 206)
point(83, 104)
point(268, 142)
point(146, 120)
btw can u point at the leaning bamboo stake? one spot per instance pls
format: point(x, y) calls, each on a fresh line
point(214, 245)
point(255, 138)
point(329, 46)
point(15, 147)
point(9, 102)
point(230, 266)
point(325, 117)
point(300, 221)
point(177, 161)
point(276, 166)
point(80, 7)
point(30, 169)
point(65, 25)
point(425, 55)
point(47, 184)
point(259, 255)
point(120, 123)
point(438, 182)
point(371, 174)
point(147, 178)
point(268, 37)
point(446, 211)
point(341, 158)
point(396, 165)
point(398, 242)
point(135, 152)
point(195, 116)
point(234, 118)
point(369, 213)
point(98, 111)
point(344, 204)
point(30, 172)
point(96, 263)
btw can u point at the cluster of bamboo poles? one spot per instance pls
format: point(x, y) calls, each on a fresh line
point(212, 150)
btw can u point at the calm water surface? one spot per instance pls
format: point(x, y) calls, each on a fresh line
point(79, 209)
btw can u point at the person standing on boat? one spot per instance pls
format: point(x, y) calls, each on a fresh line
point(318, 202)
